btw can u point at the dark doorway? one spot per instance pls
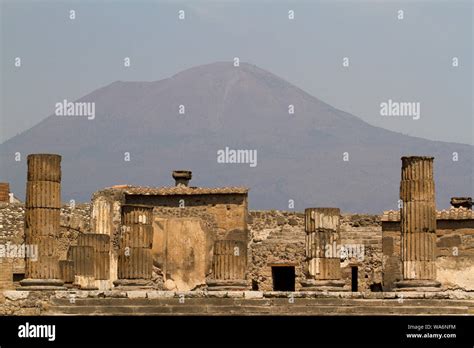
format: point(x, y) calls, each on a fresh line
point(18, 277)
point(376, 287)
point(355, 273)
point(283, 278)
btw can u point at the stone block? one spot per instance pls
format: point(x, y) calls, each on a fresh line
point(449, 241)
point(136, 294)
point(15, 295)
point(253, 294)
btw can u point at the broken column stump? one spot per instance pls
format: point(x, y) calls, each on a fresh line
point(135, 261)
point(229, 266)
point(100, 244)
point(323, 270)
point(82, 258)
point(66, 271)
point(42, 217)
point(418, 225)
point(90, 262)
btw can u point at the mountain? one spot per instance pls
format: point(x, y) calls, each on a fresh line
point(299, 156)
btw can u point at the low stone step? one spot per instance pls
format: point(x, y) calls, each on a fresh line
point(141, 301)
point(116, 302)
point(256, 310)
point(259, 306)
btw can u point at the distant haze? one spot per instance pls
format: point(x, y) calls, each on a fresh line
point(316, 156)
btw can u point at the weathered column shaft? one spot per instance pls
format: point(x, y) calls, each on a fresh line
point(322, 238)
point(42, 218)
point(230, 260)
point(66, 270)
point(418, 218)
point(229, 266)
point(135, 258)
point(106, 218)
point(100, 244)
point(83, 258)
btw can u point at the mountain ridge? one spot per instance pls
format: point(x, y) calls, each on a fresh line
point(300, 155)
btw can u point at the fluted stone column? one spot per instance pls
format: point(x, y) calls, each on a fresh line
point(323, 269)
point(135, 262)
point(418, 224)
point(229, 266)
point(101, 245)
point(42, 218)
point(67, 272)
point(90, 261)
point(82, 258)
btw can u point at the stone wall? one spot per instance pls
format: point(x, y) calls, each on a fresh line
point(30, 303)
point(361, 235)
point(226, 212)
point(73, 222)
point(182, 249)
point(163, 216)
point(392, 263)
point(222, 212)
point(454, 253)
point(278, 237)
point(11, 222)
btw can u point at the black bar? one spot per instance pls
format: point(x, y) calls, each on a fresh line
point(261, 330)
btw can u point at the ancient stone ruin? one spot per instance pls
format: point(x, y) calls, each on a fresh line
point(418, 223)
point(185, 249)
point(42, 216)
point(323, 237)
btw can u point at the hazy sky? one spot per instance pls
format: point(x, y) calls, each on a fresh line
point(407, 60)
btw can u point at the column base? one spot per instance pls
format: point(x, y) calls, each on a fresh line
point(420, 285)
point(41, 284)
point(323, 285)
point(133, 284)
point(227, 285)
